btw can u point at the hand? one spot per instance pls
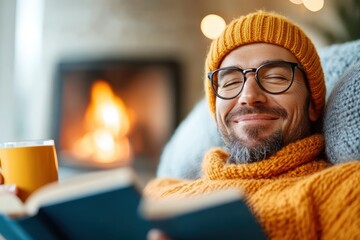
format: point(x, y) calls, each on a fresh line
point(155, 234)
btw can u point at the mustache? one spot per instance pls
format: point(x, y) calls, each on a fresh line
point(241, 111)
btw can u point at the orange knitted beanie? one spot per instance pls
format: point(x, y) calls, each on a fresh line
point(270, 28)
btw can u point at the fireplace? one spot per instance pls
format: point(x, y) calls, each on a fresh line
point(111, 113)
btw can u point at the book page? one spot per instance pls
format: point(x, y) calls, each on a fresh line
point(80, 186)
point(11, 205)
point(158, 209)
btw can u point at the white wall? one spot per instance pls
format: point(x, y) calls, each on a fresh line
point(7, 98)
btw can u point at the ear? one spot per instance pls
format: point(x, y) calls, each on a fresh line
point(313, 115)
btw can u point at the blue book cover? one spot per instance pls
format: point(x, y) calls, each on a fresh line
point(11, 230)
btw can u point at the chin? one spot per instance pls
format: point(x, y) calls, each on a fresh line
point(250, 149)
point(254, 136)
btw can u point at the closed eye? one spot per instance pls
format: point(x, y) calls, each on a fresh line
point(275, 78)
point(229, 77)
point(232, 83)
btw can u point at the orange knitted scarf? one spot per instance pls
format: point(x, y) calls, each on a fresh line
point(293, 194)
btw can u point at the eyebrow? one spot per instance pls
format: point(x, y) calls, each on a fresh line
point(264, 62)
point(226, 71)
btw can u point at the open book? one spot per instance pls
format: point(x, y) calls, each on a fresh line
point(108, 205)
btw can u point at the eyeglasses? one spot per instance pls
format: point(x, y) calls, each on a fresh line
point(274, 77)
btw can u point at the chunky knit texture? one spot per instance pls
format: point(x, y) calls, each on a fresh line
point(270, 28)
point(342, 118)
point(294, 194)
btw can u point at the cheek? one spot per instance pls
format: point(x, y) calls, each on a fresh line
point(297, 109)
point(223, 107)
point(297, 114)
point(297, 101)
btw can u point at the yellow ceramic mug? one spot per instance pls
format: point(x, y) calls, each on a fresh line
point(28, 164)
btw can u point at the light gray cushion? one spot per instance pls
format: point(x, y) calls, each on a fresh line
point(182, 155)
point(336, 58)
point(342, 118)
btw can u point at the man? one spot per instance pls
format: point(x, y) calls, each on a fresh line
point(265, 89)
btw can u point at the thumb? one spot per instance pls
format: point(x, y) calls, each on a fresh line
point(10, 188)
point(155, 234)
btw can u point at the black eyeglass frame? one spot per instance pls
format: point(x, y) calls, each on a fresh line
point(293, 66)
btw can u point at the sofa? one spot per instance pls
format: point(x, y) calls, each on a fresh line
point(197, 133)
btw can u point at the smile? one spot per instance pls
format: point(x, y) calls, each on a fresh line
point(255, 118)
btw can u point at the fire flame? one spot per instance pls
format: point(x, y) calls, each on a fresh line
point(107, 125)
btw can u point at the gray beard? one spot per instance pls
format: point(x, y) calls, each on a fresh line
point(240, 153)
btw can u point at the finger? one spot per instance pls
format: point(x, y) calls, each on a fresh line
point(8, 188)
point(155, 234)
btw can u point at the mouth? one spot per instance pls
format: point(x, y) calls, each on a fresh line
point(259, 116)
point(253, 118)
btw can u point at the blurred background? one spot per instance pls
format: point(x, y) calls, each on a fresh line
point(110, 80)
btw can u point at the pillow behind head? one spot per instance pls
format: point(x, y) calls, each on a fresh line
point(342, 118)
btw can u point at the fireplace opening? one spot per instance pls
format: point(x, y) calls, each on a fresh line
point(111, 113)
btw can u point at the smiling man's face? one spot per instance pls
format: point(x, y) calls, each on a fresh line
point(257, 124)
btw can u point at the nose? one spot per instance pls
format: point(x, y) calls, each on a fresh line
point(251, 93)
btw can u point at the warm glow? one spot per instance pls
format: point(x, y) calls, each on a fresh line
point(212, 26)
point(107, 124)
point(296, 1)
point(313, 5)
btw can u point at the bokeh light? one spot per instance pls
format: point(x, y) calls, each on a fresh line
point(212, 26)
point(313, 5)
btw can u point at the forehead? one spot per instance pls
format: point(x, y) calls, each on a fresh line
point(254, 54)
